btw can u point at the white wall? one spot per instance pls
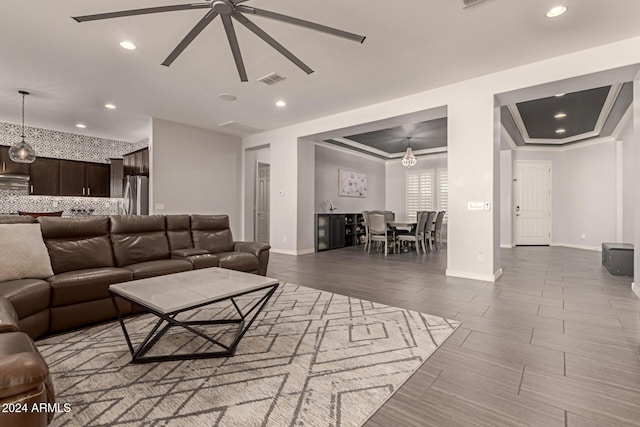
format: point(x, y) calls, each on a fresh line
point(195, 171)
point(628, 182)
point(506, 200)
point(251, 159)
point(471, 136)
point(396, 195)
point(327, 162)
point(306, 195)
point(589, 195)
point(583, 189)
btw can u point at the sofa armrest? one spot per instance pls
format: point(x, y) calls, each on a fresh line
point(8, 317)
point(22, 372)
point(183, 253)
point(255, 248)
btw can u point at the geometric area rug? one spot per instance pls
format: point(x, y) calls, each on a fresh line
point(312, 358)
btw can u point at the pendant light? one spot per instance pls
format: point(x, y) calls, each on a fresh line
point(409, 159)
point(22, 152)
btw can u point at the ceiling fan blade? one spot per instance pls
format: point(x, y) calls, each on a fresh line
point(235, 48)
point(144, 11)
point(274, 44)
point(206, 20)
point(302, 23)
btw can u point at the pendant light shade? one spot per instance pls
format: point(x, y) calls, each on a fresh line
point(409, 159)
point(22, 152)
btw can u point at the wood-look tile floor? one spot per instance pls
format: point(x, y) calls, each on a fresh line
point(554, 342)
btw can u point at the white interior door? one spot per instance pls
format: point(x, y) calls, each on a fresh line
point(262, 203)
point(532, 202)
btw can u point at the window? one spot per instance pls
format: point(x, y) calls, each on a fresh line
point(443, 192)
point(419, 192)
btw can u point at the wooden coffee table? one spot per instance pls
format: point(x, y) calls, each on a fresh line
point(172, 294)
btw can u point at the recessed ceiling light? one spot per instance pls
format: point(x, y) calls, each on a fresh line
point(80, 125)
point(281, 104)
point(560, 115)
point(560, 130)
point(227, 97)
point(556, 11)
point(558, 95)
point(110, 106)
point(128, 45)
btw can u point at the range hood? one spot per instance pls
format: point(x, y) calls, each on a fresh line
point(12, 181)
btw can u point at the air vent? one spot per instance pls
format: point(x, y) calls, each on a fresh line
point(271, 79)
point(240, 127)
point(467, 3)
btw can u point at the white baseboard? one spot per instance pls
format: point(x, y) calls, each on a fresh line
point(294, 253)
point(507, 245)
point(636, 289)
point(571, 245)
point(475, 276)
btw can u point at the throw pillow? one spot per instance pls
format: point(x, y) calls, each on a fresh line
point(23, 253)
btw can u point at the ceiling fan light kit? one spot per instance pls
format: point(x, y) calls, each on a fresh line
point(230, 10)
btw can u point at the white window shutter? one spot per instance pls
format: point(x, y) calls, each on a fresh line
point(419, 192)
point(443, 191)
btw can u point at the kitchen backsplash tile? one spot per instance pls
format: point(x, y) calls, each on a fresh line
point(12, 201)
point(64, 145)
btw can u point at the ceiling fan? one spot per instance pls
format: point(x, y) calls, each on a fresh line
point(228, 9)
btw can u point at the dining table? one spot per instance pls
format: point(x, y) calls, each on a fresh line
point(394, 225)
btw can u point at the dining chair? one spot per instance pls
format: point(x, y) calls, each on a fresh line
point(418, 235)
point(379, 232)
point(365, 222)
point(428, 229)
point(437, 229)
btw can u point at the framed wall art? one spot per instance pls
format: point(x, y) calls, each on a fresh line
point(352, 184)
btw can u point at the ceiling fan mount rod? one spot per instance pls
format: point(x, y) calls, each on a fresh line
point(222, 7)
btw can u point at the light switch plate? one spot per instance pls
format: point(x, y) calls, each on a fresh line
point(159, 206)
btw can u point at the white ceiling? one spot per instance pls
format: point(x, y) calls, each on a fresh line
point(73, 69)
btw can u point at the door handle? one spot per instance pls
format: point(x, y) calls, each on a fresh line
point(31, 188)
point(83, 189)
point(88, 191)
point(4, 167)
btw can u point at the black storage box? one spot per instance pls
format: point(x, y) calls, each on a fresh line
point(618, 258)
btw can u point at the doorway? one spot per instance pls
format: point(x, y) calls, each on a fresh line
point(532, 202)
point(262, 202)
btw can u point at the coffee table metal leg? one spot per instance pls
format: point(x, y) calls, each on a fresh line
point(138, 354)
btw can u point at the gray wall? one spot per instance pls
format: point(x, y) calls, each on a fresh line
point(327, 163)
point(195, 171)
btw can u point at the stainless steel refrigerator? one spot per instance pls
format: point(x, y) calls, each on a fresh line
point(136, 195)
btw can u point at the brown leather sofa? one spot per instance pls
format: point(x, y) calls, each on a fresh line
point(90, 253)
point(24, 376)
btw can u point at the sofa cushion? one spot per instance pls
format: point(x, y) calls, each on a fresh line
point(179, 231)
point(211, 232)
point(85, 285)
point(28, 296)
point(138, 239)
point(23, 253)
point(77, 243)
point(241, 261)
point(203, 261)
point(158, 268)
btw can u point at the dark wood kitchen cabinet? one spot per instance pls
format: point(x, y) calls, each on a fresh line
point(8, 166)
point(45, 177)
point(84, 179)
point(137, 163)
